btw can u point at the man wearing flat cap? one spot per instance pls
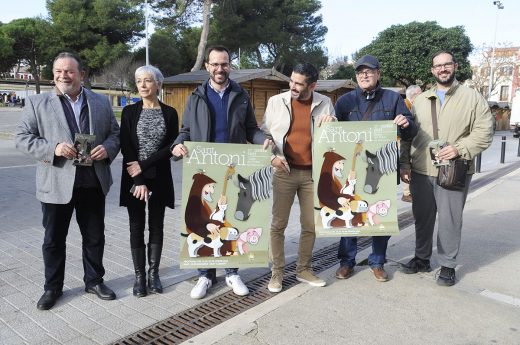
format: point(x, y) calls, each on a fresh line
point(370, 102)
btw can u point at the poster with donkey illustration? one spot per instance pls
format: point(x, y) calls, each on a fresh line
point(355, 179)
point(226, 190)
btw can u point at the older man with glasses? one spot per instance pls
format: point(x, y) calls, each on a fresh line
point(370, 102)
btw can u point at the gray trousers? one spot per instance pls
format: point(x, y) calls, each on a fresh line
point(428, 200)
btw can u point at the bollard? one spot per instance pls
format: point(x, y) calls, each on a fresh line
point(478, 163)
point(518, 152)
point(503, 150)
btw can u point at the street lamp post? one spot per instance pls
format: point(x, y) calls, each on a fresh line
point(499, 6)
point(146, 30)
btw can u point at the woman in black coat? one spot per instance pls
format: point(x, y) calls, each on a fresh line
point(148, 128)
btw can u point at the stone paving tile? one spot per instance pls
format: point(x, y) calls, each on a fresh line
point(6, 332)
point(83, 340)
point(68, 313)
point(19, 300)
point(24, 326)
point(7, 309)
point(85, 326)
point(30, 289)
point(122, 311)
point(116, 324)
point(103, 335)
point(169, 302)
point(141, 321)
point(56, 327)
point(47, 341)
point(156, 313)
point(16, 340)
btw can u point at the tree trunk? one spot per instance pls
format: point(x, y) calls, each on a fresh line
point(203, 35)
point(35, 71)
point(259, 58)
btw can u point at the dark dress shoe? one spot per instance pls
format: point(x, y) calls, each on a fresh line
point(102, 291)
point(416, 265)
point(48, 299)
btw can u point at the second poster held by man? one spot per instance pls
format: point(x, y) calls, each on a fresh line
point(354, 171)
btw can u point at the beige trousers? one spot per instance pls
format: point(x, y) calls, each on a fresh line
point(285, 187)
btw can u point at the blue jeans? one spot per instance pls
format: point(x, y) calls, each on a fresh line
point(348, 250)
point(211, 273)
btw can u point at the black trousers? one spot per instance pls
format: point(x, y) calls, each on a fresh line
point(137, 216)
point(89, 204)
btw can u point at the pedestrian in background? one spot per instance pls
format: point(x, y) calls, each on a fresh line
point(148, 129)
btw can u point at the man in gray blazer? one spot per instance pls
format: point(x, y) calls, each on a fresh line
point(49, 125)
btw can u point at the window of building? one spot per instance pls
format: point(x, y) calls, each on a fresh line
point(506, 70)
point(485, 91)
point(504, 93)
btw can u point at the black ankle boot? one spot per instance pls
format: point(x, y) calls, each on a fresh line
point(139, 259)
point(154, 258)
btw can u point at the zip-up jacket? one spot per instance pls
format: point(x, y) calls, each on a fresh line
point(196, 120)
point(388, 104)
point(278, 114)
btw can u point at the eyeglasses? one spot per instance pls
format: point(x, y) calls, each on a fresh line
point(367, 72)
point(215, 65)
point(447, 65)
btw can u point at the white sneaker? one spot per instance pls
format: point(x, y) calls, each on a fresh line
point(238, 286)
point(200, 289)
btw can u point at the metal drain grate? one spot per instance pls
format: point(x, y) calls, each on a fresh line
point(193, 321)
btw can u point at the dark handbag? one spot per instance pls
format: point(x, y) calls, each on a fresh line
point(451, 176)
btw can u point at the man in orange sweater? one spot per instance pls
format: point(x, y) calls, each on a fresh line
point(289, 119)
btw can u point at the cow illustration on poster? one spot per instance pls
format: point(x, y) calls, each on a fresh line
point(359, 201)
point(217, 229)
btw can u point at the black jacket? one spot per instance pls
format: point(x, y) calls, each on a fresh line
point(388, 104)
point(242, 126)
point(156, 169)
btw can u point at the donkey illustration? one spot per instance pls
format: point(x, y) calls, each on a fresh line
point(255, 187)
point(383, 162)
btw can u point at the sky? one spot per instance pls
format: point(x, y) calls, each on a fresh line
point(354, 24)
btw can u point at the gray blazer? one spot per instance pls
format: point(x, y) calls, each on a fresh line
point(43, 126)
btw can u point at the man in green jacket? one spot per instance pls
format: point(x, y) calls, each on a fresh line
point(465, 126)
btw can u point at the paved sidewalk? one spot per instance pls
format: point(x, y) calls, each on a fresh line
point(482, 308)
point(80, 318)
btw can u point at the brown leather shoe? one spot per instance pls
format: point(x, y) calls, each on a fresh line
point(379, 274)
point(344, 272)
point(407, 198)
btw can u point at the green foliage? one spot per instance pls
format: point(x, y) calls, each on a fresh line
point(7, 56)
point(172, 53)
point(30, 39)
point(99, 30)
point(405, 51)
point(345, 72)
point(177, 14)
point(275, 33)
